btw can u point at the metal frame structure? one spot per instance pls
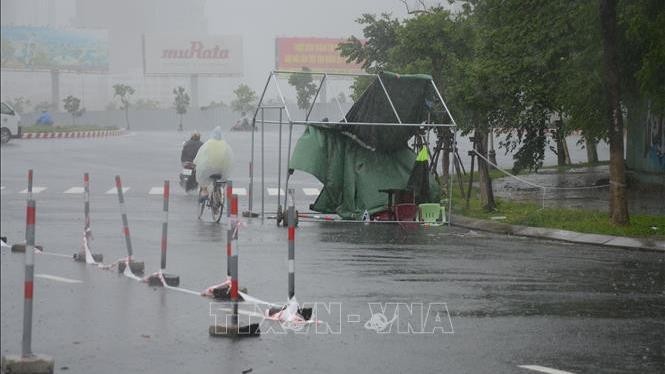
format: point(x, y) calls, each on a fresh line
point(260, 110)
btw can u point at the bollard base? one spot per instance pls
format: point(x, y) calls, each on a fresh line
point(223, 293)
point(248, 214)
point(20, 248)
point(233, 331)
point(36, 364)
point(171, 280)
point(137, 267)
point(80, 257)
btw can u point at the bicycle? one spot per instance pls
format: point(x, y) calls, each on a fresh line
point(215, 200)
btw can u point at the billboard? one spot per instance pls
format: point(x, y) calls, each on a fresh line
point(40, 48)
point(176, 54)
point(317, 54)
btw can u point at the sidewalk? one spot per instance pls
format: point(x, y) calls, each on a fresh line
point(557, 234)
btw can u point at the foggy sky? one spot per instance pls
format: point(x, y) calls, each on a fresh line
point(260, 21)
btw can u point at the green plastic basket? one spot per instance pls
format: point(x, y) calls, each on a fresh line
point(430, 213)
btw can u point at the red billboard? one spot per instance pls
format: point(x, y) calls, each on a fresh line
point(317, 54)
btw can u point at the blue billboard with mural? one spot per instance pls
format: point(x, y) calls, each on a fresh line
point(42, 48)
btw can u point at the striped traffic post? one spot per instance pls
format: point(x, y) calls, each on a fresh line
point(28, 362)
point(86, 203)
point(30, 184)
point(234, 329)
point(22, 247)
point(229, 231)
point(165, 224)
point(138, 266)
point(81, 256)
point(234, 258)
point(292, 245)
point(29, 274)
point(160, 278)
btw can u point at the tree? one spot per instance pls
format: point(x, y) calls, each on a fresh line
point(305, 87)
point(20, 104)
point(123, 92)
point(73, 107)
point(618, 202)
point(245, 99)
point(181, 103)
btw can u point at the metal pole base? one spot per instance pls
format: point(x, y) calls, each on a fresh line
point(248, 214)
point(137, 267)
point(154, 280)
point(35, 363)
point(223, 293)
point(20, 248)
point(80, 257)
point(233, 331)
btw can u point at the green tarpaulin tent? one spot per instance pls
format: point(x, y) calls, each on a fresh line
point(355, 162)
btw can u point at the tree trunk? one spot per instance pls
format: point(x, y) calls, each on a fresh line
point(445, 159)
point(591, 151)
point(127, 117)
point(560, 144)
point(486, 192)
point(492, 152)
point(618, 203)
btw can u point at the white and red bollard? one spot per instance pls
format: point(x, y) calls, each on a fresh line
point(161, 278)
point(222, 291)
point(291, 312)
point(234, 329)
point(229, 234)
point(136, 267)
point(20, 247)
point(28, 362)
point(85, 254)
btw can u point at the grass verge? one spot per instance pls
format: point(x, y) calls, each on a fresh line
point(532, 214)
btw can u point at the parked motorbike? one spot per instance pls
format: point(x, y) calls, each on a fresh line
point(188, 176)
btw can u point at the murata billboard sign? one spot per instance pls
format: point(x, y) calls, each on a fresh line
point(317, 54)
point(194, 54)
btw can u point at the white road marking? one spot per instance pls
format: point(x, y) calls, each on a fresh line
point(57, 279)
point(115, 191)
point(156, 191)
point(75, 190)
point(34, 190)
point(543, 369)
point(240, 191)
point(273, 191)
point(311, 191)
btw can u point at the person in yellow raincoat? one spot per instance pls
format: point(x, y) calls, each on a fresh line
point(214, 157)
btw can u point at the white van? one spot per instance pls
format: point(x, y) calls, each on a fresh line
point(10, 120)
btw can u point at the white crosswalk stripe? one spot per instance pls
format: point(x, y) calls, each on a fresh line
point(311, 191)
point(75, 190)
point(115, 191)
point(273, 191)
point(240, 191)
point(35, 190)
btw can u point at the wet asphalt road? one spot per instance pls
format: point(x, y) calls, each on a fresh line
point(511, 301)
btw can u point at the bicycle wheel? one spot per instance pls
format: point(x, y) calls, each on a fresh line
point(216, 204)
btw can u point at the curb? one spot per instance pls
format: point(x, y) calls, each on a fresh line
point(557, 234)
point(71, 134)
